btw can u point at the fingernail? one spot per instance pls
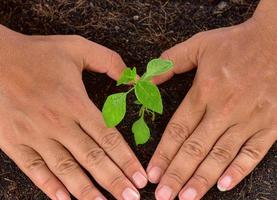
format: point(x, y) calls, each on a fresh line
point(154, 174)
point(164, 193)
point(224, 183)
point(189, 194)
point(130, 194)
point(61, 195)
point(139, 180)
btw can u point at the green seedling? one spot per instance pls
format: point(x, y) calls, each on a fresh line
point(147, 94)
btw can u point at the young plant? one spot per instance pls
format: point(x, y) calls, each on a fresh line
point(147, 94)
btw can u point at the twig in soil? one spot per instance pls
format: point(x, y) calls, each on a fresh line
point(264, 198)
point(9, 180)
point(4, 173)
point(267, 183)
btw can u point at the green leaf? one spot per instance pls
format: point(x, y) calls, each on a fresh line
point(149, 95)
point(158, 66)
point(114, 109)
point(127, 76)
point(141, 131)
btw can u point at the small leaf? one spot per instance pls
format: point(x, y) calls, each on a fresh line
point(141, 131)
point(114, 109)
point(137, 102)
point(158, 66)
point(127, 76)
point(149, 95)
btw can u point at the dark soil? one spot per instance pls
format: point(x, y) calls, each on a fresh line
point(139, 31)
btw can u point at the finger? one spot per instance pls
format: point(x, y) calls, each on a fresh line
point(184, 57)
point(32, 164)
point(113, 144)
point(193, 151)
point(101, 167)
point(181, 125)
point(95, 57)
point(222, 154)
point(248, 158)
point(64, 166)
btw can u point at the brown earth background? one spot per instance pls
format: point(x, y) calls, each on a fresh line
point(139, 31)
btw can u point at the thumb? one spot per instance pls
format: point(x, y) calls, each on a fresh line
point(184, 57)
point(98, 58)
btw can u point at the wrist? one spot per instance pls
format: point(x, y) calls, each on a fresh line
point(265, 18)
point(8, 38)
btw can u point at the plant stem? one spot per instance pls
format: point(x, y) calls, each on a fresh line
point(143, 109)
point(145, 77)
point(130, 90)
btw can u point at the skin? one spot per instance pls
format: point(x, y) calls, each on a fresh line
point(220, 132)
point(49, 126)
point(228, 120)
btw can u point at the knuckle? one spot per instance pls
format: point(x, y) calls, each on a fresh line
point(221, 154)
point(128, 163)
point(46, 183)
point(23, 126)
point(252, 152)
point(65, 166)
point(95, 156)
point(201, 180)
point(86, 191)
point(34, 163)
point(117, 180)
point(176, 176)
point(178, 132)
point(239, 169)
point(111, 140)
point(164, 157)
point(194, 148)
point(262, 105)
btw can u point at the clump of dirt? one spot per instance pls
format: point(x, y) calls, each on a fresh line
point(139, 30)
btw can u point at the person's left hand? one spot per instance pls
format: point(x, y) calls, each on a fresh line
point(51, 129)
point(227, 122)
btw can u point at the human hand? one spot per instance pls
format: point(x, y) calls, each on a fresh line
point(228, 120)
point(48, 125)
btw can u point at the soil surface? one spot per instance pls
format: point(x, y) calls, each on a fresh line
point(138, 30)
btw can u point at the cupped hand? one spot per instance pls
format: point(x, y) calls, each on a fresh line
point(227, 121)
point(48, 125)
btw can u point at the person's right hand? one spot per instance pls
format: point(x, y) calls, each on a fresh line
point(49, 126)
point(228, 120)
